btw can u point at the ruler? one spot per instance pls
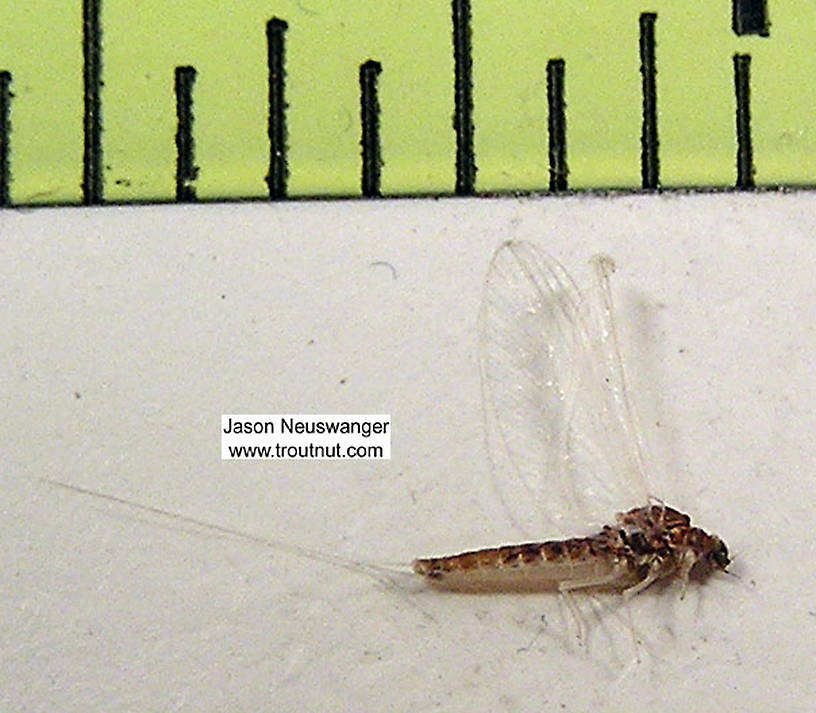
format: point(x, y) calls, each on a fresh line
point(120, 102)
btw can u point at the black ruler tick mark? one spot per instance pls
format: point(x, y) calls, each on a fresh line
point(5, 137)
point(276, 128)
point(649, 163)
point(186, 170)
point(463, 99)
point(370, 133)
point(92, 184)
point(750, 17)
point(557, 125)
point(742, 86)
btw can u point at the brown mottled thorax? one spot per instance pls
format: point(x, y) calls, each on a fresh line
point(645, 544)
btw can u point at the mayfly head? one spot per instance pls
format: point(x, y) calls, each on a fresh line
point(718, 555)
point(710, 552)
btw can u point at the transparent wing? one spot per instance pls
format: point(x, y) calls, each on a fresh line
point(561, 431)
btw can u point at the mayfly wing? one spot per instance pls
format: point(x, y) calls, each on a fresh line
point(560, 429)
point(526, 331)
point(603, 434)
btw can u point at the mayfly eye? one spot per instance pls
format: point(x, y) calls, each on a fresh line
point(720, 556)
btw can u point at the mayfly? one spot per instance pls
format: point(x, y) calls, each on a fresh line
point(558, 415)
point(560, 420)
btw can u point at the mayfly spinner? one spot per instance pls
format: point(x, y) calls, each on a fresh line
point(560, 419)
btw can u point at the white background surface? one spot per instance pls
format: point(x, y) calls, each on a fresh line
point(127, 332)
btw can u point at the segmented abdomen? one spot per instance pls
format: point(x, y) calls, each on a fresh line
point(534, 566)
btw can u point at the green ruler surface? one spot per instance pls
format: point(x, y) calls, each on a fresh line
point(116, 102)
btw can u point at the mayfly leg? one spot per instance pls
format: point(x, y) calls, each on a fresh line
point(633, 631)
point(566, 589)
point(569, 599)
